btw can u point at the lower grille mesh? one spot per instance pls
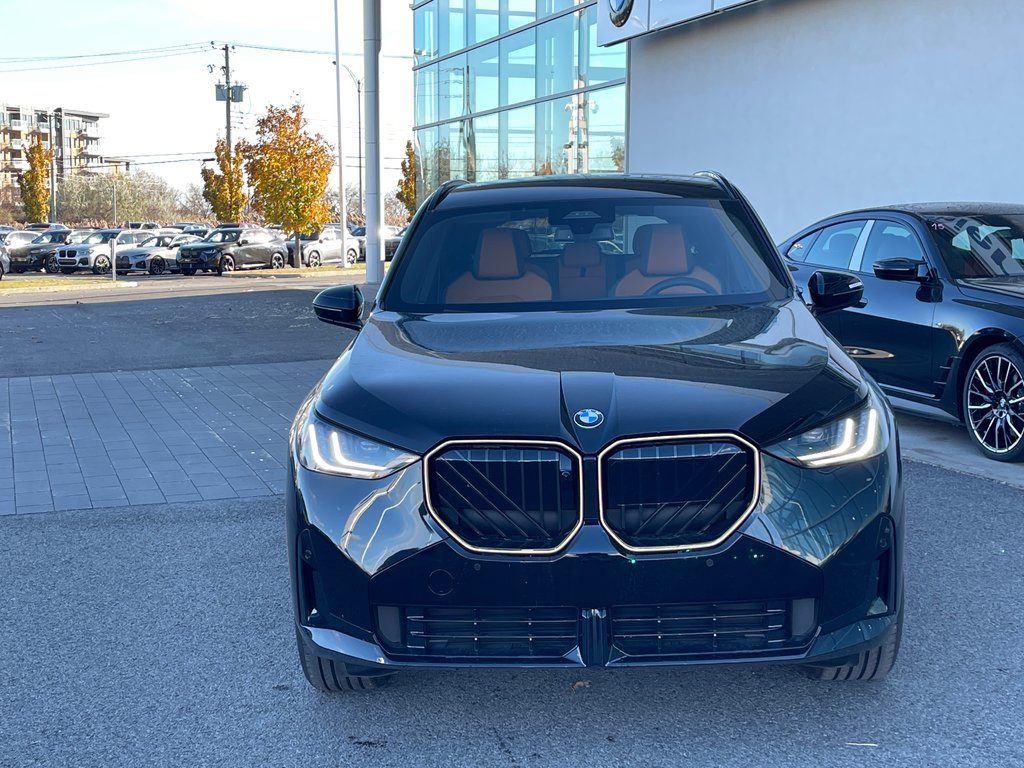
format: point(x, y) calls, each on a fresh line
point(479, 633)
point(701, 630)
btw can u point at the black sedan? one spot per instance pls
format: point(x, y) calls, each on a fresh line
point(941, 326)
point(230, 248)
point(636, 446)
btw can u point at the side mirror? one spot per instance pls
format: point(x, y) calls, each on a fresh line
point(832, 291)
point(341, 305)
point(244, 241)
point(900, 269)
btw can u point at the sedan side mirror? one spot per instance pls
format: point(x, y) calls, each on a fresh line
point(341, 305)
point(832, 291)
point(244, 241)
point(900, 269)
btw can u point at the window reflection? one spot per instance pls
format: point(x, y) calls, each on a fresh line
point(521, 73)
point(518, 67)
point(483, 78)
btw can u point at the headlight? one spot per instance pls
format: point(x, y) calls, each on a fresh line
point(331, 450)
point(852, 438)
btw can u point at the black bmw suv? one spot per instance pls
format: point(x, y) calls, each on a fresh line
point(591, 421)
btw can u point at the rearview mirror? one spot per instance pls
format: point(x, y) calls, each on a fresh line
point(341, 305)
point(832, 291)
point(899, 269)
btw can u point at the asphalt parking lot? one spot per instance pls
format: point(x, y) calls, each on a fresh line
point(159, 633)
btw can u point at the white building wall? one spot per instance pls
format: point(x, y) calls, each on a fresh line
point(816, 106)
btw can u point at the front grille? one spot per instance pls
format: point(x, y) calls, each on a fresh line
point(478, 633)
point(505, 497)
point(677, 494)
point(710, 630)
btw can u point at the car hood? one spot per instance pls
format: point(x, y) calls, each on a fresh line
point(134, 253)
point(83, 248)
point(998, 288)
point(765, 372)
point(204, 246)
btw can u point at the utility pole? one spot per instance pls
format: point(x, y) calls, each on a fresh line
point(371, 92)
point(227, 100)
point(342, 207)
point(53, 168)
point(359, 126)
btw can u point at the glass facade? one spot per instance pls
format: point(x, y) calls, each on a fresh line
point(512, 88)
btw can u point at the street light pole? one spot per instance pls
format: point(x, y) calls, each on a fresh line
point(359, 123)
point(342, 202)
point(371, 64)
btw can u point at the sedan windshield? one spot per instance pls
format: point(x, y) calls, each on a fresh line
point(578, 254)
point(974, 245)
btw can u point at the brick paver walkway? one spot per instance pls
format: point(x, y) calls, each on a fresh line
point(80, 441)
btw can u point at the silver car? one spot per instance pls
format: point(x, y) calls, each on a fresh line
point(156, 255)
point(94, 252)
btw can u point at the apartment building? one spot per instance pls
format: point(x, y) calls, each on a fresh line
point(74, 135)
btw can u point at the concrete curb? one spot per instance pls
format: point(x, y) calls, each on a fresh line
point(8, 291)
point(266, 274)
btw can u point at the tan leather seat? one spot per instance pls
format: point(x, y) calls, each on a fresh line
point(499, 272)
point(581, 272)
point(662, 252)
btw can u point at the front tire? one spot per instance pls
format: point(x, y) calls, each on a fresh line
point(331, 676)
point(870, 666)
point(101, 266)
point(993, 403)
point(52, 268)
point(314, 259)
point(227, 264)
point(277, 261)
point(157, 266)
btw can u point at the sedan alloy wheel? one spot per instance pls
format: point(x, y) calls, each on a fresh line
point(994, 403)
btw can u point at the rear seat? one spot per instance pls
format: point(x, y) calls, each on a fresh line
point(581, 272)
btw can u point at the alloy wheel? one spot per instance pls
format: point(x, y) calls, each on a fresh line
point(277, 261)
point(995, 404)
point(101, 266)
point(52, 268)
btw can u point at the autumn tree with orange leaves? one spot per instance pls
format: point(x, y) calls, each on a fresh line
point(223, 191)
point(288, 169)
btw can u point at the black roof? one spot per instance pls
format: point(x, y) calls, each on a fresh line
point(947, 209)
point(569, 187)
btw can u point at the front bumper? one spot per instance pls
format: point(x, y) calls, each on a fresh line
point(374, 578)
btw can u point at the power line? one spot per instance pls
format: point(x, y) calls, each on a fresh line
point(100, 63)
point(18, 59)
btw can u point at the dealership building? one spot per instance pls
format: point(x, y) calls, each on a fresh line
point(810, 106)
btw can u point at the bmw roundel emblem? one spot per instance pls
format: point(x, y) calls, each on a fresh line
point(588, 418)
point(619, 11)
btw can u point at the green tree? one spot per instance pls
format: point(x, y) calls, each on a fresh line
point(224, 191)
point(88, 200)
point(288, 169)
point(407, 184)
point(34, 183)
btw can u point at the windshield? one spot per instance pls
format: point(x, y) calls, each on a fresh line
point(222, 236)
point(585, 255)
point(98, 238)
point(977, 245)
point(158, 241)
point(50, 237)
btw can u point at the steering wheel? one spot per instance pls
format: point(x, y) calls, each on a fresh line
point(672, 282)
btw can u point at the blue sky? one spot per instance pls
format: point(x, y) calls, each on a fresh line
point(167, 105)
